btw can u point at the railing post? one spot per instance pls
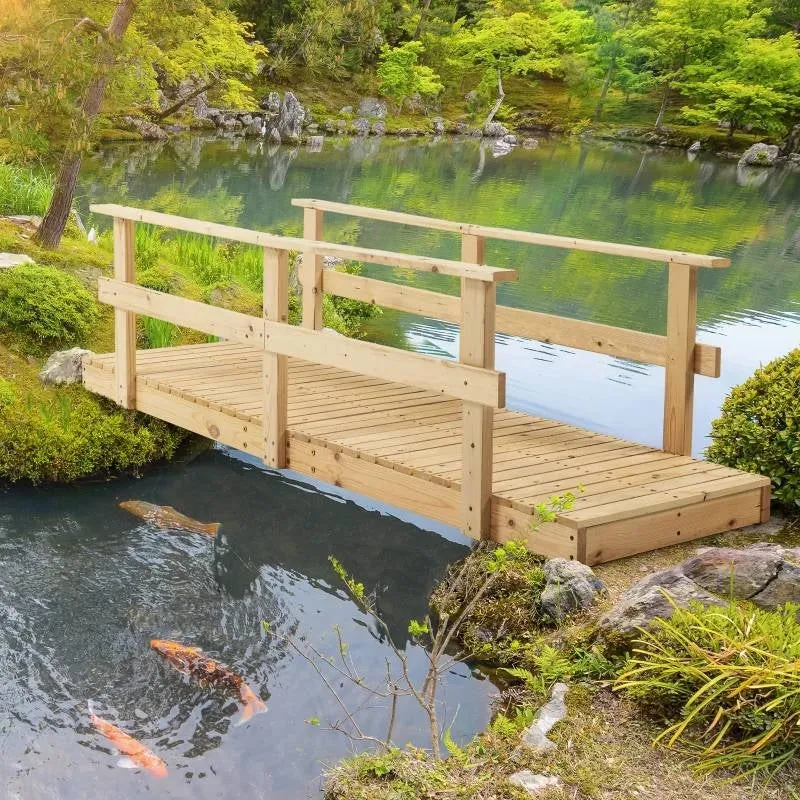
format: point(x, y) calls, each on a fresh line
point(478, 301)
point(311, 276)
point(679, 379)
point(276, 309)
point(125, 321)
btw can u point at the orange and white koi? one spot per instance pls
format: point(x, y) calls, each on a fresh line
point(168, 517)
point(136, 754)
point(192, 661)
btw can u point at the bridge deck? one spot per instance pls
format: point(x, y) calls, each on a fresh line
point(402, 446)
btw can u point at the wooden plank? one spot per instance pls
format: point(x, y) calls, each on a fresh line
point(440, 266)
point(379, 482)
point(766, 500)
point(650, 531)
point(276, 389)
point(548, 240)
point(476, 347)
point(311, 273)
point(547, 539)
point(180, 311)
point(679, 378)
point(124, 320)
point(450, 378)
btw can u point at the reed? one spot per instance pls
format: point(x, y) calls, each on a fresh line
point(24, 190)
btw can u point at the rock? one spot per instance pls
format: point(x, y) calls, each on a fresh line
point(346, 110)
point(371, 107)
point(361, 126)
point(509, 138)
point(9, 260)
point(146, 129)
point(438, 126)
point(694, 147)
point(759, 155)
point(274, 136)
point(290, 125)
point(571, 586)
point(379, 128)
point(272, 102)
point(500, 148)
point(315, 144)
point(739, 574)
point(255, 128)
point(11, 97)
point(533, 783)
point(553, 711)
point(530, 143)
point(791, 144)
point(785, 588)
point(494, 130)
point(246, 119)
point(64, 366)
point(462, 128)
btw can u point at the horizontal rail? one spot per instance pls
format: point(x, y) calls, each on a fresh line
point(510, 235)
point(443, 266)
point(649, 348)
point(450, 378)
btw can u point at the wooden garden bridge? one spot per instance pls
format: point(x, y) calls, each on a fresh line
point(426, 434)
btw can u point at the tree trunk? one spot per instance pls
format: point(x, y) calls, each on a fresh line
point(184, 100)
point(500, 97)
point(55, 220)
point(604, 91)
point(663, 109)
point(422, 15)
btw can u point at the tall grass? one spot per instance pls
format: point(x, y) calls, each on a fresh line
point(159, 333)
point(209, 261)
point(24, 190)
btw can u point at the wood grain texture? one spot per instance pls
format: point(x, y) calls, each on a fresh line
point(125, 321)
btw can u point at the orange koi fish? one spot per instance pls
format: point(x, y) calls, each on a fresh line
point(134, 752)
point(192, 661)
point(168, 517)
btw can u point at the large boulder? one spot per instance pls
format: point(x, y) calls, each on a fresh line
point(361, 126)
point(9, 260)
point(371, 107)
point(290, 125)
point(571, 586)
point(146, 129)
point(759, 155)
point(64, 366)
point(765, 574)
point(438, 126)
point(494, 130)
point(255, 128)
point(271, 102)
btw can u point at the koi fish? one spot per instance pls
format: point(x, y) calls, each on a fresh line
point(134, 752)
point(168, 517)
point(192, 661)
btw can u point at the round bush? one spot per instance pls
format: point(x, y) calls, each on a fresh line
point(759, 428)
point(46, 305)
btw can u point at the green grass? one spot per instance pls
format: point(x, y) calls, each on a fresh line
point(158, 333)
point(23, 190)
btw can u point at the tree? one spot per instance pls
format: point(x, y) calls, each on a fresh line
point(401, 75)
point(693, 36)
point(755, 86)
point(518, 38)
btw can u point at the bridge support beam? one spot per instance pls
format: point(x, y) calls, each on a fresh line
point(476, 348)
point(311, 272)
point(125, 321)
point(276, 376)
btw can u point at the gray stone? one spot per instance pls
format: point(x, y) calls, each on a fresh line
point(346, 110)
point(255, 128)
point(553, 711)
point(246, 119)
point(438, 126)
point(530, 143)
point(379, 128)
point(146, 129)
point(532, 783)
point(738, 574)
point(500, 148)
point(64, 366)
point(571, 586)
point(361, 126)
point(494, 130)
point(371, 107)
point(461, 128)
point(759, 155)
point(272, 102)
point(292, 116)
point(694, 147)
point(9, 260)
point(274, 136)
point(509, 138)
point(785, 588)
point(315, 144)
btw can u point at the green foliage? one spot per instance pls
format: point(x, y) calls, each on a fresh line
point(67, 434)
point(401, 75)
point(729, 679)
point(23, 190)
point(759, 427)
point(46, 305)
point(147, 246)
point(8, 393)
point(355, 587)
point(158, 333)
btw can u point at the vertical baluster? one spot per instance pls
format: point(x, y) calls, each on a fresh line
point(125, 321)
point(276, 309)
point(311, 274)
point(679, 379)
point(478, 302)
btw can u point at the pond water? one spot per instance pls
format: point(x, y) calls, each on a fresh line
point(608, 191)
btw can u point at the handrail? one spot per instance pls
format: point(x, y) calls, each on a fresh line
point(511, 235)
point(442, 266)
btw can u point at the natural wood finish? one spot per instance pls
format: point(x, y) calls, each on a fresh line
point(766, 502)
point(419, 263)
point(125, 321)
point(311, 271)
point(276, 388)
point(548, 240)
point(476, 347)
point(679, 380)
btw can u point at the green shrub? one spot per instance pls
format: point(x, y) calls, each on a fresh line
point(46, 305)
point(759, 428)
point(728, 678)
point(68, 434)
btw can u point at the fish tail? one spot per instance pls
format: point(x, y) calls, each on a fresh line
point(252, 703)
point(211, 528)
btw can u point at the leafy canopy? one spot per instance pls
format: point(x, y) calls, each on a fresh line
point(401, 75)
